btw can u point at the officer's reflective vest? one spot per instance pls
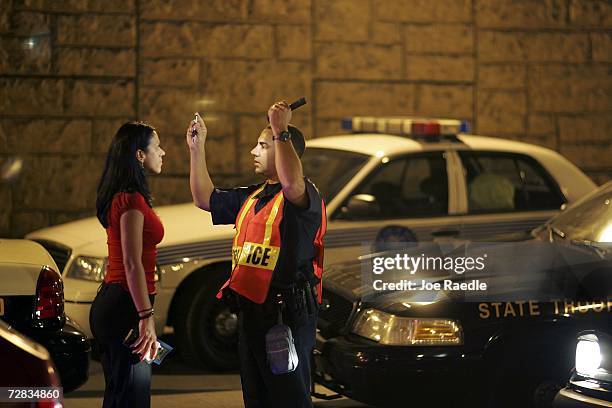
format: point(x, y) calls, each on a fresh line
point(257, 245)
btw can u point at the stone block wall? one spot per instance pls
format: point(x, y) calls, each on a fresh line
point(72, 71)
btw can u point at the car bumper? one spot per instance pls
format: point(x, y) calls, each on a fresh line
point(382, 375)
point(79, 312)
point(569, 398)
point(69, 350)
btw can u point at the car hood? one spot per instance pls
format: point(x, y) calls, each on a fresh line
point(512, 236)
point(523, 269)
point(183, 223)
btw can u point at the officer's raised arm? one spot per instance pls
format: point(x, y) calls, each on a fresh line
point(200, 182)
point(287, 163)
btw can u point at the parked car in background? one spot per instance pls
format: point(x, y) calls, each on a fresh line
point(511, 345)
point(32, 302)
point(590, 385)
point(26, 364)
point(425, 175)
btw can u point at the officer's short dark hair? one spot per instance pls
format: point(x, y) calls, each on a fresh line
point(297, 139)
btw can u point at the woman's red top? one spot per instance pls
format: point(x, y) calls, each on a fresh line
point(152, 234)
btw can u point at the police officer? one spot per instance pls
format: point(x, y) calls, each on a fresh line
point(277, 254)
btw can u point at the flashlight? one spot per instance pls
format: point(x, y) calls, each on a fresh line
point(300, 102)
point(294, 105)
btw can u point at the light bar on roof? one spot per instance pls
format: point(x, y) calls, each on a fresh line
point(405, 126)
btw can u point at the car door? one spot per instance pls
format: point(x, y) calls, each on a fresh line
point(505, 193)
point(410, 191)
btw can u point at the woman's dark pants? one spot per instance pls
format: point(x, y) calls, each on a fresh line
point(128, 381)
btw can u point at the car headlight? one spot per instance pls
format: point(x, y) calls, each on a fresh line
point(594, 355)
point(389, 329)
point(588, 357)
point(88, 268)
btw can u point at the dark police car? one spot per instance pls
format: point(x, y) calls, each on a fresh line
point(508, 343)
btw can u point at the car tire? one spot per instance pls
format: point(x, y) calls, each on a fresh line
point(206, 328)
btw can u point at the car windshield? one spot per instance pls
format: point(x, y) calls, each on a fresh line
point(331, 169)
point(588, 221)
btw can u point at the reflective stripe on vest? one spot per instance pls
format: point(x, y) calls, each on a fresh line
point(256, 248)
point(241, 214)
point(248, 248)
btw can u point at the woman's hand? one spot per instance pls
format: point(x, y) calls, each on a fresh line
point(146, 343)
point(196, 134)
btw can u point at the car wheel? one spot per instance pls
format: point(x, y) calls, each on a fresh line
point(206, 327)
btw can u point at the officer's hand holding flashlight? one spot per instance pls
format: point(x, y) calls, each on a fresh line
point(279, 115)
point(196, 134)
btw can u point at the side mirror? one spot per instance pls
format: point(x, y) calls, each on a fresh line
point(361, 206)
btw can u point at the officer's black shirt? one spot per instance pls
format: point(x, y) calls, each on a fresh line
point(298, 228)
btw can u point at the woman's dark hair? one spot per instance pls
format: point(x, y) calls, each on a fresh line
point(123, 171)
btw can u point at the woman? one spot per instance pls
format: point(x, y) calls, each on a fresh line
point(125, 298)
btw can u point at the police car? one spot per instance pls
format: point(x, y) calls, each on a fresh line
point(32, 302)
point(425, 175)
point(510, 343)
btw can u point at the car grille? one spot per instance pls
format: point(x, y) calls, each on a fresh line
point(59, 253)
point(334, 317)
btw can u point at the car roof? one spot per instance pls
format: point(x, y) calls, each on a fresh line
point(372, 144)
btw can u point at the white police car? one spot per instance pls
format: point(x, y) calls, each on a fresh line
point(425, 175)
